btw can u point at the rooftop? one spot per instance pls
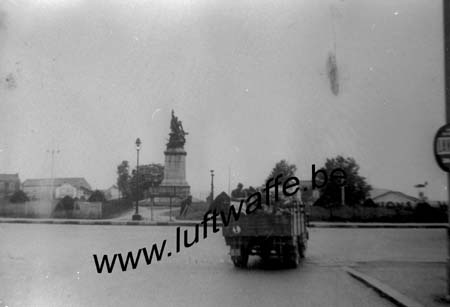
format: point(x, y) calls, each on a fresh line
point(78, 182)
point(9, 177)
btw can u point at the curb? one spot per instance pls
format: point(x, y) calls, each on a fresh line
point(219, 223)
point(386, 291)
point(375, 225)
point(102, 222)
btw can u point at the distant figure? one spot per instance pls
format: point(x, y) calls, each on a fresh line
point(185, 204)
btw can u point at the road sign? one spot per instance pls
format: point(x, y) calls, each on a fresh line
point(442, 148)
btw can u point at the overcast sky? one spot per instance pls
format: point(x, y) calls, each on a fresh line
point(248, 79)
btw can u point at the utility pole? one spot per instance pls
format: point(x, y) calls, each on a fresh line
point(136, 216)
point(446, 12)
point(212, 186)
point(52, 170)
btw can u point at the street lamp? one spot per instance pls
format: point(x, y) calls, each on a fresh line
point(136, 215)
point(212, 185)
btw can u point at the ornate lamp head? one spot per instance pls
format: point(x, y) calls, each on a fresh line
point(138, 143)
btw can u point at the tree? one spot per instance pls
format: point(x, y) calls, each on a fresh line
point(283, 168)
point(96, 196)
point(356, 188)
point(67, 203)
point(150, 175)
point(239, 192)
point(249, 191)
point(123, 177)
point(19, 197)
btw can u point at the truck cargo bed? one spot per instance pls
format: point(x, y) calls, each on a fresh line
point(261, 224)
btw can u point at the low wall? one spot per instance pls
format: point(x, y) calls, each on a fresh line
point(31, 209)
point(116, 207)
point(80, 210)
point(87, 210)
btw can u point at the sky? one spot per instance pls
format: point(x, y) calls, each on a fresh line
point(249, 80)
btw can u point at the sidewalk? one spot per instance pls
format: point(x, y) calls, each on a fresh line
point(422, 282)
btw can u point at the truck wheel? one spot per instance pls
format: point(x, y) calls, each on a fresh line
point(294, 260)
point(301, 248)
point(301, 251)
point(291, 256)
point(240, 261)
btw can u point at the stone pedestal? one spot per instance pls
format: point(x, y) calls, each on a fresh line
point(174, 181)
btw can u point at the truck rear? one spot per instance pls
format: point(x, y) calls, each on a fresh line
point(279, 233)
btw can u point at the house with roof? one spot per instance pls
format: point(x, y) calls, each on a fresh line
point(9, 183)
point(46, 188)
point(112, 192)
point(390, 199)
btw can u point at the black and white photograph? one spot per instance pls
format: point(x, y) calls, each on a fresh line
point(224, 153)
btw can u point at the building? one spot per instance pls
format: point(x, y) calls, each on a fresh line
point(388, 198)
point(58, 188)
point(112, 192)
point(9, 183)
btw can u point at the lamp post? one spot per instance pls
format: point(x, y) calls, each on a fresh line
point(212, 185)
point(136, 215)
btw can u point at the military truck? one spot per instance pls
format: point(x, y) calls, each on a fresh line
point(278, 231)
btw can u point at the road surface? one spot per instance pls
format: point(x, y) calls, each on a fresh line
point(52, 265)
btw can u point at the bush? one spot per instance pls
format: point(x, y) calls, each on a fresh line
point(66, 203)
point(97, 195)
point(19, 197)
point(423, 213)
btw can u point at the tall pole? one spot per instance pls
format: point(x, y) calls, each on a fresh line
point(137, 182)
point(136, 216)
point(446, 10)
point(343, 195)
point(212, 185)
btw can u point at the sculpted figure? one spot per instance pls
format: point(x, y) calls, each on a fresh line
point(177, 133)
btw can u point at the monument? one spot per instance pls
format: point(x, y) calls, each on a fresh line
point(174, 182)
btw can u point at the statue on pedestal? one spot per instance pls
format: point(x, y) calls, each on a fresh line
point(177, 133)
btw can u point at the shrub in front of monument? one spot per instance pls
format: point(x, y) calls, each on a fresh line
point(423, 213)
point(97, 196)
point(19, 197)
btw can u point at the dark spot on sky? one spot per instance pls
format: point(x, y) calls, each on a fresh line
point(10, 81)
point(332, 71)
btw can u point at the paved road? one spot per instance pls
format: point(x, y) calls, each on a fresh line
point(52, 265)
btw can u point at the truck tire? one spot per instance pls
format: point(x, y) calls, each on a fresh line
point(301, 248)
point(293, 260)
point(240, 261)
point(291, 256)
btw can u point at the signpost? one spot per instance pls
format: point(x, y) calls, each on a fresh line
point(442, 156)
point(442, 147)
